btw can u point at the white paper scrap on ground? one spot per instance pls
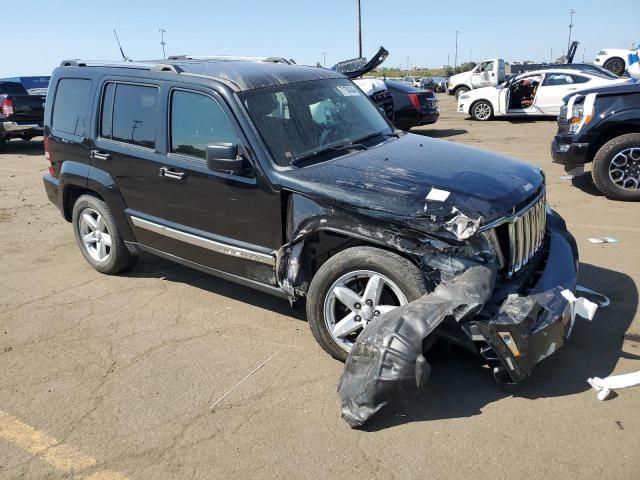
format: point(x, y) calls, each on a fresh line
point(604, 386)
point(604, 240)
point(438, 195)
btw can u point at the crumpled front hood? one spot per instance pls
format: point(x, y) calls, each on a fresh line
point(391, 182)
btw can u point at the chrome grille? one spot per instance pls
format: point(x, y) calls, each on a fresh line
point(526, 235)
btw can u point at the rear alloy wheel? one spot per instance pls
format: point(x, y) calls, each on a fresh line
point(616, 168)
point(615, 65)
point(355, 287)
point(98, 237)
point(461, 91)
point(482, 111)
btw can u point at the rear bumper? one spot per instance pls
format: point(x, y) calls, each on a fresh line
point(52, 187)
point(429, 117)
point(527, 329)
point(16, 129)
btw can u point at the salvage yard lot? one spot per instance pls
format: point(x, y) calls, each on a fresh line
point(112, 377)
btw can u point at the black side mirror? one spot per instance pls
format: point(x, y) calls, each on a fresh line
point(223, 157)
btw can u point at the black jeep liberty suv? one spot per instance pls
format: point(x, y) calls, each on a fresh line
point(288, 179)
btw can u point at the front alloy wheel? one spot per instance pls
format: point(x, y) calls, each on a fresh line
point(355, 287)
point(354, 300)
point(481, 111)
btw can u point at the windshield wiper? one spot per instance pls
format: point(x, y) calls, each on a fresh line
point(373, 135)
point(337, 149)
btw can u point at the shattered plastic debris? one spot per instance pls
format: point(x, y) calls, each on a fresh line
point(462, 226)
point(598, 240)
point(387, 357)
point(438, 195)
point(604, 386)
point(602, 300)
point(581, 306)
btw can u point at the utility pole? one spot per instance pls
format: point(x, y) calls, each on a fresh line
point(469, 55)
point(448, 60)
point(550, 54)
point(455, 58)
point(163, 43)
point(359, 30)
point(324, 59)
point(584, 52)
point(571, 14)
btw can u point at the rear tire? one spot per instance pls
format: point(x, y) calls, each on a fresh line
point(616, 168)
point(481, 111)
point(615, 65)
point(394, 271)
point(461, 90)
point(98, 237)
point(3, 144)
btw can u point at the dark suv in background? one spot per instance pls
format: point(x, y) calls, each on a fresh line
point(290, 180)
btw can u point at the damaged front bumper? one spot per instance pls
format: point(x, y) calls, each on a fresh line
point(532, 321)
point(513, 322)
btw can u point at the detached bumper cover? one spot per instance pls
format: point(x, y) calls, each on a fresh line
point(15, 129)
point(387, 357)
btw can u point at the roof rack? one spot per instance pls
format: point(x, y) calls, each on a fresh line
point(232, 58)
point(154, 67)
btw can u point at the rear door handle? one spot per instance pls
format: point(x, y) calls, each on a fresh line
point(574, 88)
point(98, 155)
point(170, 173)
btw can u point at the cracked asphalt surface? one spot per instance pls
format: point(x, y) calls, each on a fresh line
point(112, 377)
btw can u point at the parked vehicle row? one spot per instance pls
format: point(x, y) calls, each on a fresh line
point(21, 114)
point(412, 107)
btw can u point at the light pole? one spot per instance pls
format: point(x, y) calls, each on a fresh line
point(162, 42)
point(455, 57)
point(324, 59)
point(571, 13)
point(359, 30)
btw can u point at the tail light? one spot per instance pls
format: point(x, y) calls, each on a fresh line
point(47, 155)
point(7, 107)
point(414, 100)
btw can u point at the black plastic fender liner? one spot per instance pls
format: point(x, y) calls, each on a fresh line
point(387, 357)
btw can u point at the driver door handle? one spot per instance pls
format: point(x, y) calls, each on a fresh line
point(98, 155)
point(171, 173)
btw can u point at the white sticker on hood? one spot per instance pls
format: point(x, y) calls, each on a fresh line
point(438, 195)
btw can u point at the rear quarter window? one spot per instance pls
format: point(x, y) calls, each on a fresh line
point(70, 105)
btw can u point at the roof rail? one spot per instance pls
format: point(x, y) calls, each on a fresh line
point(152, 66)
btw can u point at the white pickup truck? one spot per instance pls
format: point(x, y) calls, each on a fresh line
point(487, 73)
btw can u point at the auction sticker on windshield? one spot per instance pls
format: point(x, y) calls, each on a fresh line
point(348, 90)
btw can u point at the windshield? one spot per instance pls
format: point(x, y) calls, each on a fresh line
point(302, 119)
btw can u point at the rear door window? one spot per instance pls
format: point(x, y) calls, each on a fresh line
point(70, 106)
point(129, 114)
point(198, 120)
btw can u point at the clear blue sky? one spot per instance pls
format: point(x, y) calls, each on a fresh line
point(38, 34)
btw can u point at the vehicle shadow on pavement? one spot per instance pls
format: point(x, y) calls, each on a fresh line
point(440, 133)
point(20, 147)
point(585, 183)
point(460, 386)
point(154, 267)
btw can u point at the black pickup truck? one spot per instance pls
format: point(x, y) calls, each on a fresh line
point(21, 114)
point(602, 126)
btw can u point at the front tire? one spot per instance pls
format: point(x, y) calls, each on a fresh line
point(353, 288)
point(461, 90)
point(481, 111)
point(615, 65)
point(98, 237)
point(616, 168)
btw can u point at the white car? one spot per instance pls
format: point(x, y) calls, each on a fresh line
point(537, 93)
point(615, 60)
